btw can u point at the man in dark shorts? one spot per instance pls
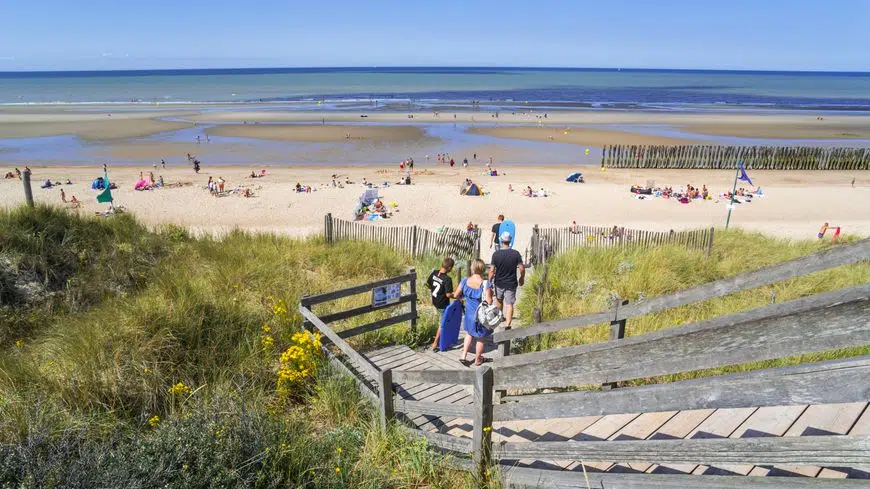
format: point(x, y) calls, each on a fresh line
point(441, 285)
point(507, 263)
point(495, 228)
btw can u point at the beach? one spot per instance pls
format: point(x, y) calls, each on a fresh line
point(795, 203)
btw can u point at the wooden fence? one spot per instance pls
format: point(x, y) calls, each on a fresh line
point(547, 242)
point(822, 322)
point(413, 240)
point(727, 157)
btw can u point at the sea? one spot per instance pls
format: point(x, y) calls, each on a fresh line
point(425, 89)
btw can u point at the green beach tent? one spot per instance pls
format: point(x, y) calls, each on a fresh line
point(105, 195)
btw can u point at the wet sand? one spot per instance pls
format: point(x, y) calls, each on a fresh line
point(575, 135)
point(318, 133)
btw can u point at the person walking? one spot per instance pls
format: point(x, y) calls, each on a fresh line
point(441, 285)
point(506, 274)
point(474, 290)
point(495, 229)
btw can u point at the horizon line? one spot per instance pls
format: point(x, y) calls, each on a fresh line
point(430, 67)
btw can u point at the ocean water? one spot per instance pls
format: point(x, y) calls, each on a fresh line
point(425, 89)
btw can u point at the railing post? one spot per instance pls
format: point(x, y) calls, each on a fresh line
point(28, 191)
point(414, 241)
point(617, 332)
point(413, 273)
point(385, 395)
point(482, 426)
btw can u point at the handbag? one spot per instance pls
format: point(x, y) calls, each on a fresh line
point(489, 315)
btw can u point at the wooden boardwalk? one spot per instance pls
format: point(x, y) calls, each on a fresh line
point(770, 421)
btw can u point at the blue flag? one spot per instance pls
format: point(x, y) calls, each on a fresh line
point(743, 176)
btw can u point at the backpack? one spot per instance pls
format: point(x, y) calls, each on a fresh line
point(489, 315)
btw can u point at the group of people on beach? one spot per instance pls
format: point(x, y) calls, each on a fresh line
point(505, 274)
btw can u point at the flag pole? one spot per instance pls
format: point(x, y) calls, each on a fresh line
point(733, 191)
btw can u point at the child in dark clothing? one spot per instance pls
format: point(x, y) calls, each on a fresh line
point(441, 285)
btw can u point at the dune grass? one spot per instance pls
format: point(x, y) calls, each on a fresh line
point(124, 314)
point(588, 280)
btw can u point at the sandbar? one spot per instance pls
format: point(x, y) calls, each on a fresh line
point(318, 133)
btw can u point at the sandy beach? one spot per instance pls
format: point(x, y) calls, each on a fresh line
point(795, 205)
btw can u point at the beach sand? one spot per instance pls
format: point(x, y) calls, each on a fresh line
point(318, 133)
point(87, 125)
point(795, 205)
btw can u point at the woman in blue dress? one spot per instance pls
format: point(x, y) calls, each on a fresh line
point(473, 289)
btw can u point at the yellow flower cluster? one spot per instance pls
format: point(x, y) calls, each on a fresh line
point(154, 421)
point(179, 388)
point(265, 328)
point(19, 343)
point(267, 341)
point(299, 362)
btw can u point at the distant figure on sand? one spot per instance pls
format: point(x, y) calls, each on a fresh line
point(62, 196)
point(474, 290)
point(823, 230)
point(507, 263)
point(441, 285)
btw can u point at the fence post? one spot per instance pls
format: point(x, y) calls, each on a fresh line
point(414, 241)
point(385, 392)
point(617, 332)
point(28, 192)
point(481, 442)
point(413, 273)
point(327, 228)
point(476, 244)
point(710, 241)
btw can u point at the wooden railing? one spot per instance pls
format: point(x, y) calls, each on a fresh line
point(549, 241)
point(815, 324)
point(412, 240)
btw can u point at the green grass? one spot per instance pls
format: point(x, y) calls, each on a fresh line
point(587, 280)
point(124, 313)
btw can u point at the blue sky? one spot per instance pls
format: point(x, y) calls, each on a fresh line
point(713, 34)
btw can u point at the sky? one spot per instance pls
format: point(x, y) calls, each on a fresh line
point(692, 34)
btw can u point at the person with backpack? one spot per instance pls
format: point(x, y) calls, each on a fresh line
point(474, 290)
point(441, 285)
point(506, 274)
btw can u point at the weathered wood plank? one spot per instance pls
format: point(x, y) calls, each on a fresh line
point(836, 381)
point(359, 289)
point(433, 408)
point(765, 422)
point(776, 331)
point(447, 442)
point(358, 311)
point(837, 256)
point(465, 377)
point(813, 450)
point(375, 325)
point(362, 385)
point(360, 361)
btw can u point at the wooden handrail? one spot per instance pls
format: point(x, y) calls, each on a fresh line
point(360, 361)
point(835, 381)
point(359, 289)
point(834, 257)
point(822, 322)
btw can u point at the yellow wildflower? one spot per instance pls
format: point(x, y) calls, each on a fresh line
point(338, 470)
point(267, 341)
point(19, 343)
point(265, 328)
point(153, 421)
point(146, 370)
point(338, 449)
point(179, 388)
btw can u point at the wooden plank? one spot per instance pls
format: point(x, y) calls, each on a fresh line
point(447, 442)
point(765, 422)
point(640, 428)
point(677, 427)
point(382, 323)
point(861, 427)
point(835, 381)
point(358, 311)
point(465, 377)
point(719, 424)
point(433, 408)
point(759, 450)
point(364, 387)
point(775, 331)
point(362, 362)
point(834, 257)
point(819, 419)
point(482, 414)
point(359, 289)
